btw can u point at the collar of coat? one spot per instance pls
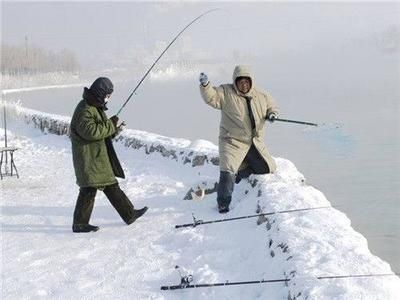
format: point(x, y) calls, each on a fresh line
point(247, 95)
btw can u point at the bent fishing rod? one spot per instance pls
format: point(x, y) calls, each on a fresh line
point(201, 222)
point(165, 50)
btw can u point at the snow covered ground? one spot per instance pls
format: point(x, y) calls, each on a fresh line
point(42, 258)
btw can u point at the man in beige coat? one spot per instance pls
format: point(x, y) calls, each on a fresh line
point(244, 109)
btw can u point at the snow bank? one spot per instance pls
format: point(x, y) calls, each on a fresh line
point(41, 257)
point(181, 150)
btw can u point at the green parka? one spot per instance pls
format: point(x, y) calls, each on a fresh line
point(236, 134)
point(95, 161)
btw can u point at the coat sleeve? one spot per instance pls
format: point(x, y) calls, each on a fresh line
point(90, 128)
point(211, 95)
point(271, 106)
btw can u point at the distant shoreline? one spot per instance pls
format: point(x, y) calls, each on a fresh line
point(37, 88)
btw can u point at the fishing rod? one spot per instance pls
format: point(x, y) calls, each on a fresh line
point(201, 222)
point(165, 50)
point(296, 122)
point(185, 281)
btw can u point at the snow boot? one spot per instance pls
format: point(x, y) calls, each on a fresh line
point(84, 228)
point(137, 213)
point(223, 209)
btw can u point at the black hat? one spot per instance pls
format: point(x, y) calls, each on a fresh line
point(101, 87)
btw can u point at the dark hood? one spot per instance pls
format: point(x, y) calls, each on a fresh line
point(98, 91)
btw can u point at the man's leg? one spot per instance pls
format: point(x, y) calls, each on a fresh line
point(225, 190)
point(256, 161)
point(255, 164)
point(83, 210)
point(122, 204)
point(245, 170)
point(244, 173)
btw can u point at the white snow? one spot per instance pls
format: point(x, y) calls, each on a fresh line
point(42, 258)
point(204, 146)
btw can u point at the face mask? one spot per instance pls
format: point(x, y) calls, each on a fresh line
point(107, 98)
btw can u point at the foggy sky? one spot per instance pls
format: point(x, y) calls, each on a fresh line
point(100, 33)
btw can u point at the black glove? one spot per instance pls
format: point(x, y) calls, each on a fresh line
point(115, 120)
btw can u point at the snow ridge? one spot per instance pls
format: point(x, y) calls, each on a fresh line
point(181, 150)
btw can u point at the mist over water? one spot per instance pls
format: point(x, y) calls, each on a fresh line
point(336, 64)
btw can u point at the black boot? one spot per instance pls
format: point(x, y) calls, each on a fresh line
point(137, 213)
point(84, 228)
point(223, 209)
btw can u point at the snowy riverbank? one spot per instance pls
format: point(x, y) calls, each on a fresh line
point(41, 257)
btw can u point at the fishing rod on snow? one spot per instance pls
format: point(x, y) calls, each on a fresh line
point(185, 284)
point(165, 50)
point(201, 222)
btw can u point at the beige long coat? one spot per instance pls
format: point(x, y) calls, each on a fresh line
point(235, 132)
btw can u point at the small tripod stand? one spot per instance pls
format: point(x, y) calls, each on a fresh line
point(7, 165)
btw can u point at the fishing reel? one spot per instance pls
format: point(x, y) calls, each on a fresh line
point(195, 221)
point(185, 279)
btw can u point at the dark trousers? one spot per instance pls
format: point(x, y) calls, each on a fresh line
point(225, 188)
point(255, 164)
point(118, 199)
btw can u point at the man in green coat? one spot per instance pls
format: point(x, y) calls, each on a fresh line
point(244, 109)
point(95, 161)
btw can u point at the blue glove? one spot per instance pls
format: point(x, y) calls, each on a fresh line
point(203, 79)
